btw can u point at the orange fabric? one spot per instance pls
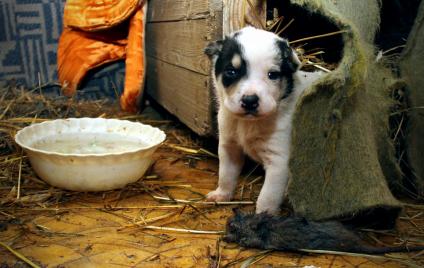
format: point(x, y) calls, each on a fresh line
point(134, 63)
point(93, 15)
point(80, 51)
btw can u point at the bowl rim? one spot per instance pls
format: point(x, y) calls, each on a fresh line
point(27, 147)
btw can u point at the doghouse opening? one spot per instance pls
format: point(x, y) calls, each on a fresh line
point(294, 23)
point(397, 19)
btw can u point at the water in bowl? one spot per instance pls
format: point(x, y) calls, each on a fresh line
point(89, 143)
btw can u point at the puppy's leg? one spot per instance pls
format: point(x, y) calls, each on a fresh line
point(231, 160)
point(274, 187)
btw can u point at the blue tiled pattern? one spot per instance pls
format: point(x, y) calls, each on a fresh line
point(29, 33)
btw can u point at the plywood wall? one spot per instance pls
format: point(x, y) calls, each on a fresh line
point(178, 78)
point(178, 72)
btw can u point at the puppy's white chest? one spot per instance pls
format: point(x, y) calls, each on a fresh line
point(254, 140)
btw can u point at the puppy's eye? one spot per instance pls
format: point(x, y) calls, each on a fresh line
point(274, 75)
point(230, 72)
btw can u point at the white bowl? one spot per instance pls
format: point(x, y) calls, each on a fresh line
point(90, 154)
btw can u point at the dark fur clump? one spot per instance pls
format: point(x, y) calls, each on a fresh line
point(295, 233)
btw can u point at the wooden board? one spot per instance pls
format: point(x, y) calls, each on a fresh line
point(180, 43)
point(177, 32)
point(182, 92)
point(176, 10)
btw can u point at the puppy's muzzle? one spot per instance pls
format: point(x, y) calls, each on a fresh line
point(250, 103)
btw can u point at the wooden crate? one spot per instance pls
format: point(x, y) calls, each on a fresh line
point(178, 72)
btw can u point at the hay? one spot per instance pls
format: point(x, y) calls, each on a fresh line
point(25, 199)
point(17, 254)
point(308, 59)
point(148, 223)
point(161, 220)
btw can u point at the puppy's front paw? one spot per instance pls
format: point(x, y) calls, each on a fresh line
point(219, 195)
point(267, 206)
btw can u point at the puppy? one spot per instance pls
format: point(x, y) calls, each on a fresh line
point(257, 84)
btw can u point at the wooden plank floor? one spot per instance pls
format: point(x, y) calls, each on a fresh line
point(56, 228)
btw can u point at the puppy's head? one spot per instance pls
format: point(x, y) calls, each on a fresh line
point(253, 71)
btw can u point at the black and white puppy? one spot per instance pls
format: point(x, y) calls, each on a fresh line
point(257, 84)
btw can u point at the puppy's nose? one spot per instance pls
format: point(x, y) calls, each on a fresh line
point(250, 102)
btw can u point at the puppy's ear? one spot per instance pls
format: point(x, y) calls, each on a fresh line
point(290, 61)
point(214, 48)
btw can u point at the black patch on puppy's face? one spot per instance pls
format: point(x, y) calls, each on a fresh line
point(288, 65)
point(231, 74)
